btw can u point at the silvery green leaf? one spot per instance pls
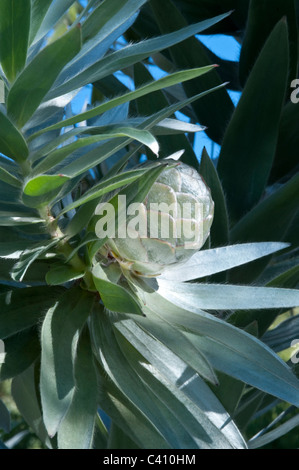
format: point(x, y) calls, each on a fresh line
point(59, 338)
point(93, 157)
point(183, 378)
point(163, 82)
point(53, 15)
point(102, 27)
point(25, 395)
point(227, 297)
point(29, 256)
point(130, 55)
point(208, 262)
point(271, 436)
point(46, 110)
point(83, 407)
point(229, 349)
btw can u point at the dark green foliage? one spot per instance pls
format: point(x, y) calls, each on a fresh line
point(184, 361)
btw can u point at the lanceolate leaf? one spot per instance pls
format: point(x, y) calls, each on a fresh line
point(126, 414)
point(58, 155)
point(26, 397)
point(8, 219)
point(105, 23)
point(62, 274)
point(163, 82)
point(108, 185)
point(115, 297)
point(78, 426)
point(227, 297)
point(208, 262)
point(286, 158)
point(23, 308)
point(23, 98)
point(182, 379)
point(93, 157)
point(219, 230)
point(170, 336)
point(21, 351)
point(41, 190)
point(165, 127)
point(29, 256)
point(14, 34)
point(9, 178)
point(153, 103)
point(187, 422)
point(169, 408)
point(12, 143)
point(43, 184)
point(123, 376)
point(261, 20)
point(59, 337)
point(38, 12)
point(52, 16)
point(129, 56)
point(189, 53)
point(272, 216)
point(230, 349)
point(109, 15)
point(271, 436)
point(247, 152)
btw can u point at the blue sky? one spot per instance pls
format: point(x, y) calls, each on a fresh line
point(227, 48)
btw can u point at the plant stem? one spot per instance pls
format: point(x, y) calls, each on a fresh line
point(63, 247)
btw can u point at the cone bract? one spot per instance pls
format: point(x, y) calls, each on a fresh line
point(173, 223)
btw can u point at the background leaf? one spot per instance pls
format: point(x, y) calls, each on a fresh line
point(38, 12)
point(272, 216)
point(23, 99)
point(12, 143)
point(261, 20)
point(14, 34)
point(247, 152)
point(26, 396)
point(21, 350)
point(59, 339)
point(83, 407)
point(4, 417)
point(191, 52)
point(219, 231)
